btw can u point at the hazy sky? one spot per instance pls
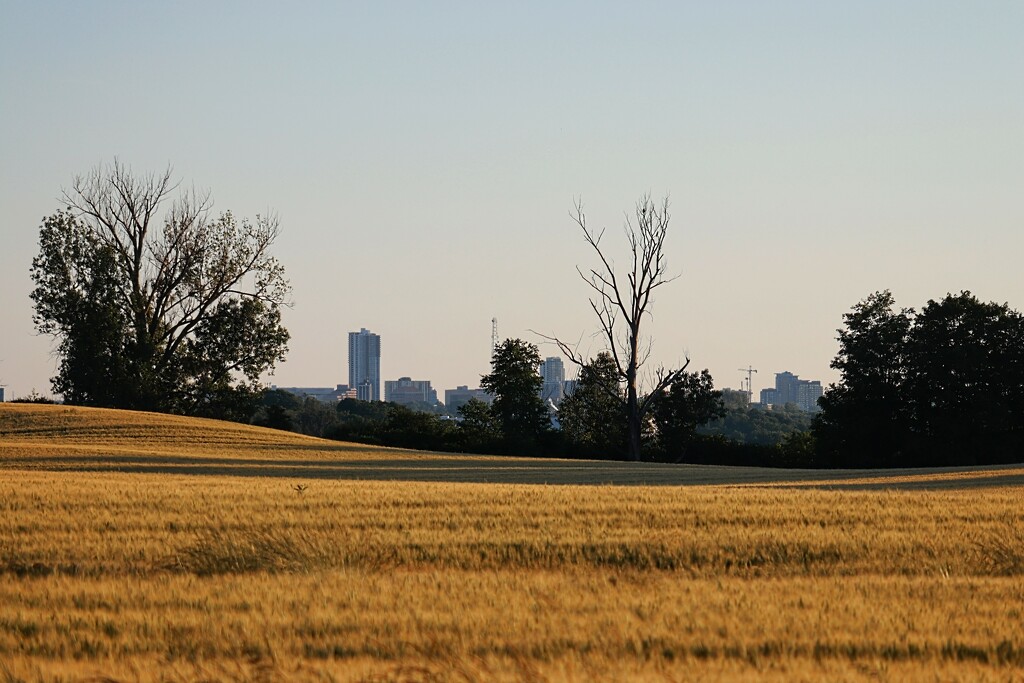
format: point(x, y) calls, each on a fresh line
point(423, 158)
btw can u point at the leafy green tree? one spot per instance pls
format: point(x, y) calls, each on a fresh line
point(734, 399)
point(348, 408)
point(965, 379)
point(425, 407)
point(157, 304)
point(592, 418)
point(798, 449)
point(77, 302)
point(277, 410)
point(359, 421)
point(515, 384)
point(390, 424)
point(408, 428)
point(753, 425)
point(943, 386)
point(314, 417)
point(479, 429)
point(690, 401)
point(863, 419)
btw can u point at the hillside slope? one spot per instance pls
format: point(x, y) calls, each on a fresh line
point(54, 437)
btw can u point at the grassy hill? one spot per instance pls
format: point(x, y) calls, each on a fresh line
point(141, 547)
point(57, 437)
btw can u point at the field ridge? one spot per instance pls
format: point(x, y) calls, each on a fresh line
point(67, 438)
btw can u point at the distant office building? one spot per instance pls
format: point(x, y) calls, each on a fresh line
point(456, 398)
point(789, 388)
point(325, 394)
point(553, 373)
point(569, 387)
point(364, 364)
point(364, 392)
point(1, 394)
point(807, 394)
point(408, 391)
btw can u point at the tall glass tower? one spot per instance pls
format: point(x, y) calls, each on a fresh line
point(553, 372)
point(364, 364)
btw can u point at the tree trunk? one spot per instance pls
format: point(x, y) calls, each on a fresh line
point(633, 402)
point(635, 429)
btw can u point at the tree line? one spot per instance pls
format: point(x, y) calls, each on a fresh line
point(157, 303)
point(939, 386)
point(590, 423)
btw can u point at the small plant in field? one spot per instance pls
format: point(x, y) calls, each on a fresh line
point(1001, 552)
point(300, 488)
point(34, 397)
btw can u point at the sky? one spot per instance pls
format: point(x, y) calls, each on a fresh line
point(423, 159)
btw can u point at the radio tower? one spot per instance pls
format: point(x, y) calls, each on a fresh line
point(494, 335)
point(750, 383)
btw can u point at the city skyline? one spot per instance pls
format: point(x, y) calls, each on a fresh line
point(787, 388)
point(424, 159)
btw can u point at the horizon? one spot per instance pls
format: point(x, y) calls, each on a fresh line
point(424, 160)
point(571, 374)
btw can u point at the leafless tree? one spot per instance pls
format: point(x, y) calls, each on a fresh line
point(621, 301)
point(177, 269)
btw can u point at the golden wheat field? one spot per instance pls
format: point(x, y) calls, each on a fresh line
point(137, 547)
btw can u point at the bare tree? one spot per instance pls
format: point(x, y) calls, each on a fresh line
point(621, 301)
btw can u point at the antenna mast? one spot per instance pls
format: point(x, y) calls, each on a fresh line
point(494, 335)
point(750, 383)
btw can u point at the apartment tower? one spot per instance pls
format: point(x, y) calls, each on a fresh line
point(364, 364)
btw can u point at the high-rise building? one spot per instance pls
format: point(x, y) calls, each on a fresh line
point(807, 394)
point(553, 372)
point(789, 388)
point(456, 398)
point(323, 394)
point(785, 388)
point(408, 391)
point(364, 364)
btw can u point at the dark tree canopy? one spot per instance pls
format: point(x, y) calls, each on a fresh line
point(156, 304)
point(689, 402)
point(593, 417)
point(745, 424)
point(964, 385)
point(943, 386)
point(862, 419)
point(518, 409)
point(479, 430)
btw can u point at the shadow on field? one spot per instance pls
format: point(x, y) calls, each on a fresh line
point(441, 468)
point(920, 482)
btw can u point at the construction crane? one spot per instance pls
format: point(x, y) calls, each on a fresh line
point(750, 383)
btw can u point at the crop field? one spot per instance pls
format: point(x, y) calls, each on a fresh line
point(137, 547)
